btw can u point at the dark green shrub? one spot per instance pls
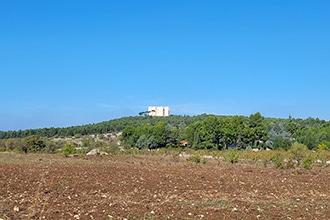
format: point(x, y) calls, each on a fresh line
point(33, 144)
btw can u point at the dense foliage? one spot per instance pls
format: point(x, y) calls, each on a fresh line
point(223, 132)
point(227, 132)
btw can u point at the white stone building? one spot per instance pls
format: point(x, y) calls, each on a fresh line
point(162, 111)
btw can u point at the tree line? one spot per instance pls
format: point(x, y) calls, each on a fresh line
point(222, 132)
point(211, 132)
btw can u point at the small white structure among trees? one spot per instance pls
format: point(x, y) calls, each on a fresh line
point(161, 111)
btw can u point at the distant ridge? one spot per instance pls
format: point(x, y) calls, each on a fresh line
point(117, 125)
point(114, 125)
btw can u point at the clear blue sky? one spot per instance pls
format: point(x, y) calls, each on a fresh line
point(73, 62)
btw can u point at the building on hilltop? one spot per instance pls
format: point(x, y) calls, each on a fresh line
point(162, 111)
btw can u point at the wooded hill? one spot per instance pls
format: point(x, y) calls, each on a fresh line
point(201, 132)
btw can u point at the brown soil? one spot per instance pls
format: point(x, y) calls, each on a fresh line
point(153, 187)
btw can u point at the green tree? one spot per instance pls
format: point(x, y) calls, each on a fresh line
point(160, 135)
point(191, 134)
point(292, 127)
point(258, 132)
point(278, 143)
point(212, 131)
point(128, 135)
point(204, 134)
point(152, 143)
point(142, 142)
point(173, 137)
point(308, 137)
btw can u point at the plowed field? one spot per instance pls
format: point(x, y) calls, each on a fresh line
point(44, 186)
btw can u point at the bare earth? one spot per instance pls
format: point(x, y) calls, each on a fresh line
point(156, 187)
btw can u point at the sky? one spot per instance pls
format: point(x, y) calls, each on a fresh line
point(70, 62)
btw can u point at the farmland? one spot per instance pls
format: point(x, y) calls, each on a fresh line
point(46, 186)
